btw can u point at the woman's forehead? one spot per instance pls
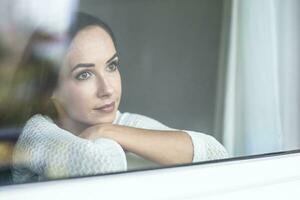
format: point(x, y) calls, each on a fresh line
point(91, 44)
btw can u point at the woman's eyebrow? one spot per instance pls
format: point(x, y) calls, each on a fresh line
point(112, 58)
point(84, 65)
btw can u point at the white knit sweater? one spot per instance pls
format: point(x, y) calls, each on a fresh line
point(45, 151)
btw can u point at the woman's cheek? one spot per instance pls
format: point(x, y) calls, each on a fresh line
point(117, 84)
point(80, 97)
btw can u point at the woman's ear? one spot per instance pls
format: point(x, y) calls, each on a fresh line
point(58, 106)
point(55, 102)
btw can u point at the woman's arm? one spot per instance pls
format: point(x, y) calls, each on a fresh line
point(163, 147)
point(157, 141)
point(45, 150)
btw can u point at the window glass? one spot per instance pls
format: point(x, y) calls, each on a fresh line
point(97, 87)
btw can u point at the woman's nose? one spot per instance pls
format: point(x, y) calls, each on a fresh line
point(104, 88)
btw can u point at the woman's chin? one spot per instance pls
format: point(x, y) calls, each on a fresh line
point(103, 119)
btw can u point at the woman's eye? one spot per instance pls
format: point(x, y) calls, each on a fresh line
point(112, 67)
point(83, 76)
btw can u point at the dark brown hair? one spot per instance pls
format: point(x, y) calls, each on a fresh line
point(37, 76)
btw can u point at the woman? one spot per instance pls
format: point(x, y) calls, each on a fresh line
point(88, 134)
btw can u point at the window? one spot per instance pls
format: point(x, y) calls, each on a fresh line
point(103, 87)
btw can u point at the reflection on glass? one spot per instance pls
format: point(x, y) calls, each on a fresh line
point(75, 126)
point(65, 112)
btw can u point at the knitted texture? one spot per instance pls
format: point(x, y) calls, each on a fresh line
point(206, 147)
point(46, 151)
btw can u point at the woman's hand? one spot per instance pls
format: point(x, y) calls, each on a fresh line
point(98, 131)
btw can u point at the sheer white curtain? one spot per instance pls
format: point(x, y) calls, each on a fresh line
point(258, 96)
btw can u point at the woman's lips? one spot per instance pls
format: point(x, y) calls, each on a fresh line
point(106, 108)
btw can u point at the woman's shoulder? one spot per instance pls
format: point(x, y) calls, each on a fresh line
point(38, 121)
point(38, 124)
point(39, 118)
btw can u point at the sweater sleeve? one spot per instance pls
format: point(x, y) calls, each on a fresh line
point(45, 151)
point(205, 146)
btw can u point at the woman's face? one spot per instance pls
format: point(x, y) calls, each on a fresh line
point(89, 85)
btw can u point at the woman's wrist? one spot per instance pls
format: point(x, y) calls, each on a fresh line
point(108, 131)
point(95, 132)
